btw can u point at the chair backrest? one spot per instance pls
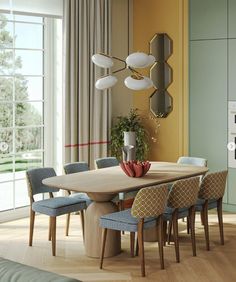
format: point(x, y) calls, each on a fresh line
point(184, 193)
point(192, 161)
point(150, 201)
point(34, 180)
point(76, 167)
point(213, 185)
point(106, 162)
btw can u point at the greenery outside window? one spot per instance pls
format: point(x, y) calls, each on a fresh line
point(21, 104)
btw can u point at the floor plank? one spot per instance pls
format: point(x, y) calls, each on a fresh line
point(217, 265)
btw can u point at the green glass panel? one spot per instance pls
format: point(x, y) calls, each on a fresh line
point(208, 19)
point(208, 102)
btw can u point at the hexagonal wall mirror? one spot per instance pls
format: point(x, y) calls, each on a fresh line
point(161, 75)
point(161, 47)
point(161, 102)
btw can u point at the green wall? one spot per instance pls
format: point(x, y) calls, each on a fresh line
point(212, 49)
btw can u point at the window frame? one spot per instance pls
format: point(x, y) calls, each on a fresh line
point(49, 102)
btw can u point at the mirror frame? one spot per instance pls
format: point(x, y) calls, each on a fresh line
point(161, 47)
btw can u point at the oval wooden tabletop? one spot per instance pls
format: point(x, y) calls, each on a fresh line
point(113, 180)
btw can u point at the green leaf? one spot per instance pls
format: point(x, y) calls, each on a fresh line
point(131, 122)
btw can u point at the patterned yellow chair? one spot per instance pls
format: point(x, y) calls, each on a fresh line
point(192, 161)
point(181, 203)
point(211, 192)
point(146, 212)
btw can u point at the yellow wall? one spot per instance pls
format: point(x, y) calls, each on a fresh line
point(169, 16)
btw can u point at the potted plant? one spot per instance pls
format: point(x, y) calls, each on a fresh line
point(130, 123)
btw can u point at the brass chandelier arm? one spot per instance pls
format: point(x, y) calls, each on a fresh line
point(136, 73)
point(120, 60)
point(120, 69)
point(116, 58)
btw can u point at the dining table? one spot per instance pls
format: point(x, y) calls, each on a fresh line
point(102, 185)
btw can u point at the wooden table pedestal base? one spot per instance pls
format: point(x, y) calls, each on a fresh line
point(93, 232)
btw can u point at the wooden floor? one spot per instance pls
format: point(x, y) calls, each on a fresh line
point(217, 265)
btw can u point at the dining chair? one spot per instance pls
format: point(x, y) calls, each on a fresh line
point(211, 193)
point(146, 212)
point(192, 161)
point(109, 162)
point(53, 206)
point(181, 203)
point(70, 168)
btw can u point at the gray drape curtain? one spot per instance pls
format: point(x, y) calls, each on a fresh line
point(87, 117)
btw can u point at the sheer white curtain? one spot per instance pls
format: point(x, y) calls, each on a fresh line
point(47, 8)
point(87, 30)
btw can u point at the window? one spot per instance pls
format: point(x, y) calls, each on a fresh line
point(23, 92)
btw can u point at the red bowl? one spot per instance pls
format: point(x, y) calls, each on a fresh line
point(135, 168)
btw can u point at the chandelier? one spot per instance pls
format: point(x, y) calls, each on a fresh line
point(136, 80)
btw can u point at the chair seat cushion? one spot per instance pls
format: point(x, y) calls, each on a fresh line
point(82, 196)
point(169, 211)
point(59, 205)
point(124, 221)
point(212, 204)
point(14, 271)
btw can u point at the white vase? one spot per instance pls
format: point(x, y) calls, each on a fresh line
point(130, 140)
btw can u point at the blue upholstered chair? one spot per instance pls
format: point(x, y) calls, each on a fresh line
point(75, 168)
point(181, 203)
point(52, 207)
point(211, 193)
point(146, 212)
point(109, 162)
point(106, 162)
point(192, 161)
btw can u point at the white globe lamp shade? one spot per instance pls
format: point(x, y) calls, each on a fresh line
point(102, 61)
point(152, 60)
point(138, 84)
point(139, 60)
point(106, 82)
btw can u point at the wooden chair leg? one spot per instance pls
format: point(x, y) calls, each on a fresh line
point(32, 219)
point(160, 240)
point(137, 248)
point(169, 232)
point(141, 246)
point(202, 217)
point(188, 225)
point(67, 224)
point(53, 232)
point(50, 230)
point(82, 222)
point(191, 219)
point(220, 220)
point(132, 242)
point(176, 236)
point(104, 236)
point(121, 205)
point(206, 227)
point(121, 208)
point(164, 232)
